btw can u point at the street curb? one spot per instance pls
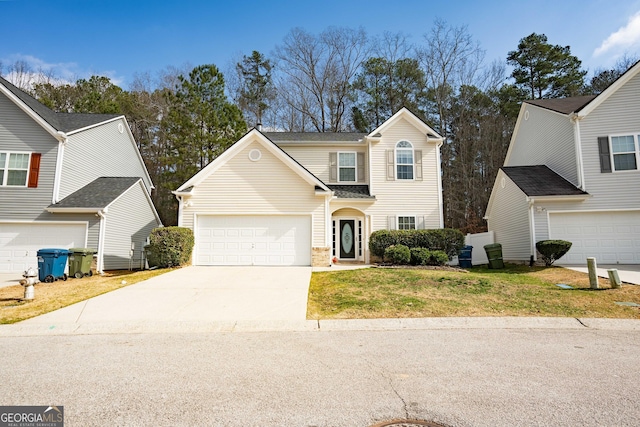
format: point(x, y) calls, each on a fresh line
point(432, 323)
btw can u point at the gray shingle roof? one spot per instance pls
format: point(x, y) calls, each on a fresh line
point(351, 191)
point(541, 181)
point(314, 136)
point(563, 105)
point(98, 193)
point(65, 122)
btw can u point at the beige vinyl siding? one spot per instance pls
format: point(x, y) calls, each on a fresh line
point(265, 187)
point(546, 138)
point(541, 215)
point(316, 158)
point(130, 218)
point(99, 151)
point(509, 219)
point(19, 132)
point(404, 197)
point(619, 114)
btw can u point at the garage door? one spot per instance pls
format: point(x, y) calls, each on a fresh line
point(19, 242)
point(253, 240)
point(610, 237)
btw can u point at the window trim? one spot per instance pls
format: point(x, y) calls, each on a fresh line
point(354, 167)
point(5, 169)
point(412, 164)
point(415, 222)
point(636, 142)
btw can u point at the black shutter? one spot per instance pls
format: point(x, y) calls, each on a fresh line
point(605, 155)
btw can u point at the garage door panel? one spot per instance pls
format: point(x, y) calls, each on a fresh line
point(254, 240)
point(20, 242)
point(610, 237)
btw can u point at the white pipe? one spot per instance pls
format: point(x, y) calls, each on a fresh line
point(55, 196)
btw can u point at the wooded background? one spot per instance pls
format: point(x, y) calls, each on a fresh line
point(341, 80)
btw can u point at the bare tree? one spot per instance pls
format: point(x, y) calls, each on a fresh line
point(317, 71)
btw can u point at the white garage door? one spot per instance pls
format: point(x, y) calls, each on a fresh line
point(253, 240)
point(19, 242)
point(610, 237)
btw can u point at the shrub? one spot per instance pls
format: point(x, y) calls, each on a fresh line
point(448, 240)
point(552, 250)
point(423, 256)
point(397, 254)
point(170, 246)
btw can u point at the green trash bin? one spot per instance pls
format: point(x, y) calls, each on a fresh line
point(494, 254)
point(80, 262)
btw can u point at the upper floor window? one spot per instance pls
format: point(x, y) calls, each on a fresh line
point(347, 167)
point(404, 160)
point(624, 150)
point(14, 169)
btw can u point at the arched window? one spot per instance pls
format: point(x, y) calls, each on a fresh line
point(404, 160)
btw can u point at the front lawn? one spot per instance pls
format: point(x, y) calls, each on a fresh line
point(514, 291)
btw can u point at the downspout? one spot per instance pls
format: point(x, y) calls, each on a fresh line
point(180, 204)
point(62, 142)
point(439, 173)
point(328, 238)
point(532, 228)
point(103, 225)
point(578, 141)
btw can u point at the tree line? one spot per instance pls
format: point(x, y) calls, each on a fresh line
point(340, 80)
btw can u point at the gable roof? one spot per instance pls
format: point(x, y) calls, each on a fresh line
point(405, 113)
point(563, 105)
point(315, 136)
point(64, 122)
point(252, 135)
point(539, 181)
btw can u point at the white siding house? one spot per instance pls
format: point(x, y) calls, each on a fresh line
point(279, 198)
point(596, 149)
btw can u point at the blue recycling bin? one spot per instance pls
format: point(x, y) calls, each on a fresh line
point(51, 264)
point(464, 257)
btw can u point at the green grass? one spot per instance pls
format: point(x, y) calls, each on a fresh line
point(514, 291)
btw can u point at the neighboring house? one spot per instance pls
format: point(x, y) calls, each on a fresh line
point(572, 173)
point(278, 198)
point(69, 180)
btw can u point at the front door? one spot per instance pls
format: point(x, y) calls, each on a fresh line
point(347, 239)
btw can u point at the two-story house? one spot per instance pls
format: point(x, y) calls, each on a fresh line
point(69, 180)
point(572, 173)
point(278, 198)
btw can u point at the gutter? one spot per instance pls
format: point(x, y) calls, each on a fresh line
point(575, 118)
point(101, 236)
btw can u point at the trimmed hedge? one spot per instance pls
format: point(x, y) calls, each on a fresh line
point(423, 256)
point(552, 250)
point(170, 246)
point(448, 240)
point(397, 254)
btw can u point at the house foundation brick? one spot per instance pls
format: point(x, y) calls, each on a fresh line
point(320, 257)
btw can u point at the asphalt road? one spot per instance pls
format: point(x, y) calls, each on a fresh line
point(460, 377)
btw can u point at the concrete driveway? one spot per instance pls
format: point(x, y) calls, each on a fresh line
point(193, 294)
point(628, 273)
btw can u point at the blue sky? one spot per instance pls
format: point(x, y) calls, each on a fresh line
point(119, 38)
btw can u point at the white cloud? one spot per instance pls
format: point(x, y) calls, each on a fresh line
point(625, 38)
point(18, 68)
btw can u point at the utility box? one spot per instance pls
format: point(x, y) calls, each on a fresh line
point(494, 254)
point(80, 262)
point(51, 264)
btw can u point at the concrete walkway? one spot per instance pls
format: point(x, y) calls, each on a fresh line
point(196, 294)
